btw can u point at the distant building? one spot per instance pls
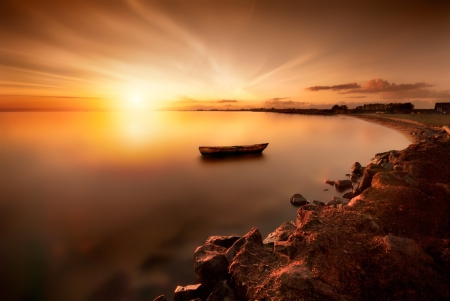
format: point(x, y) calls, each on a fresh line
point(442, 107)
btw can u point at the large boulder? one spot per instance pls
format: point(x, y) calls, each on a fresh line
point(404, 272)
point(252, 268)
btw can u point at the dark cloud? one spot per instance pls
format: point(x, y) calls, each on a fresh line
point(226, 101)
point(405, 91)
point(335, 88)
point(279, 102)
point(378, 85)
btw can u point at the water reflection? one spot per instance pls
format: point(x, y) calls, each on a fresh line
point(90, 199)
point(231, 158)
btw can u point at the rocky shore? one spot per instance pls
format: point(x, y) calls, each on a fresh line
point(389, 241)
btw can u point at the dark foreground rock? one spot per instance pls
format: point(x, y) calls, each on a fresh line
point(390, 242)
point(298, 200)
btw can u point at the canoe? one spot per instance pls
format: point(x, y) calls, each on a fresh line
point(232, 150)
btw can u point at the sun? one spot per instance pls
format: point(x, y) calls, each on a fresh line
point(135, 102)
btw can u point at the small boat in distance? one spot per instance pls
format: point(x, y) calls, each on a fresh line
point(232, 150)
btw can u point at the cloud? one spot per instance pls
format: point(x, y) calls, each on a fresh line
point(226, 101)
point(279, 102)
point(389, 90)
point(378, 85)
point(334, 88)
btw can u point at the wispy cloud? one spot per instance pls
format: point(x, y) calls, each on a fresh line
point(335, 88)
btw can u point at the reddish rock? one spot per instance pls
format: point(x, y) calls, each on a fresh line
point(356, 168)
point(210, 264)
point(223, 241)
point(222, 292)
point(348, 195)
point(366, 179)
point(343, 184)
point(252, 269)
point(318, 203)
point(395, 178)
point(298, 200)
point(281, 233)
point(187, 293)
point(282, 247)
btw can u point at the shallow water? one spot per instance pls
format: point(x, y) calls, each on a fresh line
point(127, 197)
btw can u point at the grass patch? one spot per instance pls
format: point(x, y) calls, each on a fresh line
point(427, 119)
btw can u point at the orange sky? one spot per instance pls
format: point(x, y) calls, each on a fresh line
point(188, 54)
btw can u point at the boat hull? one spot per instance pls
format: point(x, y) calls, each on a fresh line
point(232, 150)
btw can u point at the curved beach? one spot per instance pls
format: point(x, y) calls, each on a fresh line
point(414, 131)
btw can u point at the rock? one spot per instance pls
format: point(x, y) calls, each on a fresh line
point(307, 220)
point(223, 241)
point(393, 157)
point(446, 187)
point(281, 233)
point(366, 180)
point(282, 247)
point(298, 200)
point(210, 264)
point(396, 178)
point(318, 203)
point(329, 182)
point(348, 195)
point(254, 236)
point(398, 167)
point(298, 277)
point(388, 166)
point(383, 155)
point(187, 293)
point(160, 298)
point(356, 168)
point(410, 272)
point(355, 177)
point(335, 201)
point(343, 184)
point(252, 266)
point(222, 292)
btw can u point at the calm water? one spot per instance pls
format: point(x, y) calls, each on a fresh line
point(90, 197)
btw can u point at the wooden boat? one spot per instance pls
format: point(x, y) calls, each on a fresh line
point(232, 150)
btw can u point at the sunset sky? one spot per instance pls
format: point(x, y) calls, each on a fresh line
point(189, 54)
